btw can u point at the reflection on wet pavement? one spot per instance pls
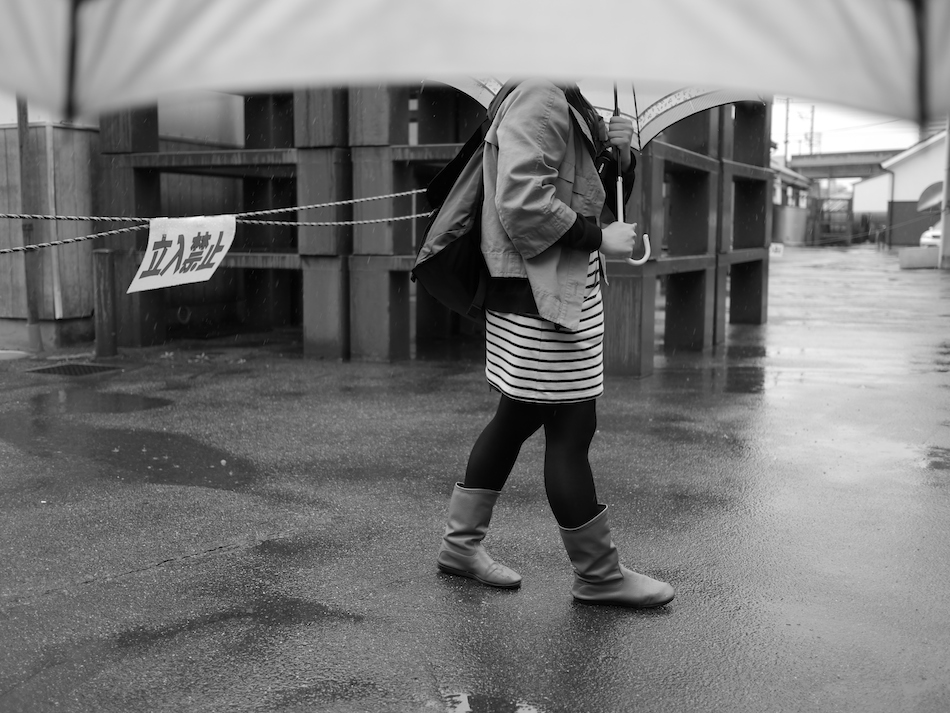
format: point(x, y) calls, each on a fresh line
point(745, 380)
point(267, 611)
point(65, 401)
point(10, 354)
point(130, 455)
point(479, 703)
point(935, 464)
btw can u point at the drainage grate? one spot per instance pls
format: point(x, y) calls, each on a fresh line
point(74, 369)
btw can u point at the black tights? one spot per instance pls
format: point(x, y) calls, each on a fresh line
point(568, 430)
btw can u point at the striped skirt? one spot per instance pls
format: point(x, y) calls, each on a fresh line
point(528, 359)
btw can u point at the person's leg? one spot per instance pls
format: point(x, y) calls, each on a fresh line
point(497, 448)
point(568, 481)
point(472, 502)
point(599, 576)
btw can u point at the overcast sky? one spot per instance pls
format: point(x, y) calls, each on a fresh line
point(837, 129)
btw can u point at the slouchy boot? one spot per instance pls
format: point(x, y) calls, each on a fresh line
point(599, 578)
point(462, 552)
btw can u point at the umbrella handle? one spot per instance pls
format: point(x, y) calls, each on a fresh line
point(646, 238)
point(619, 195)
point(646, 252)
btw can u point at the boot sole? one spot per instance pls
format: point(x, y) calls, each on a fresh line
point(469, 575)
point(607, 603)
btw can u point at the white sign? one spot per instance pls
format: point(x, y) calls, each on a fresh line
point(776, 249)
point(183, 250)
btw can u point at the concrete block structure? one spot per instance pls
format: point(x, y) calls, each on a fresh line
point(704, 194)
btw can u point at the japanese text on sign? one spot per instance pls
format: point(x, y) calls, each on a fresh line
point(183, 250)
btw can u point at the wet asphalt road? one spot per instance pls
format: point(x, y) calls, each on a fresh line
point(225, 526)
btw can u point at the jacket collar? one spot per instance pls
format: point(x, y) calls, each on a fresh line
point(585, 130)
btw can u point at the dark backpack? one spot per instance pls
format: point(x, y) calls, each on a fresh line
point(450, 265)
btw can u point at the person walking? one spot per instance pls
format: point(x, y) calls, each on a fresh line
point(550, 165)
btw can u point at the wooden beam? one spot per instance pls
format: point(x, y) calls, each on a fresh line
point(236, 158)
point(746, 171)
point(684, 157)
point(427, 153)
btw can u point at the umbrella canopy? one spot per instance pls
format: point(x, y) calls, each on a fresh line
point(82, 57)
point(652, 107)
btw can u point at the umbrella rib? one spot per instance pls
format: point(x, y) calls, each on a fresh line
point(636, 113)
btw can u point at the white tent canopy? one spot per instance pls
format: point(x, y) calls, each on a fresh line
point(86, 56)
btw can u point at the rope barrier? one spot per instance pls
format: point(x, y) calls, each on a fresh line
point(241, 218)
point(271, 211)
point(84, 218)
point(333, 222)
point(68, 241)
point(333, 204)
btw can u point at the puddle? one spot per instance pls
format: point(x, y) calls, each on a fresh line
point(10, 354)
point(62, 668)
point(478, 703)
point(127, 455)
point(130, 456)
point(69, 401)
point(265, 612)
point(937, 459)
point(745, 351)
point(744, 380)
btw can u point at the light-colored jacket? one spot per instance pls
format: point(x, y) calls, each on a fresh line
point(539, 175)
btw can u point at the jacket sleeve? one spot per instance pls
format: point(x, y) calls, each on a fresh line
point(532, 140)
point(583, 235)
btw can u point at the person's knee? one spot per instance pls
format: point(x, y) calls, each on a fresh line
point(572, 427)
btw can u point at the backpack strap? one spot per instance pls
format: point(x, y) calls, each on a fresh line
point(438, 189)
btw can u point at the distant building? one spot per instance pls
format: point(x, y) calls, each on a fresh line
point(892, 197)
point(789, 205)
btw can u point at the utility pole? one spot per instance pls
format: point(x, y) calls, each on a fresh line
point(811, 132)
point(29, 203)
point(788, 101)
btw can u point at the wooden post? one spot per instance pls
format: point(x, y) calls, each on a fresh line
point(745, 210)
point(326, 313)
point(382, 252)
point(30, 203)
point(630, 307)
point(379, 307)
point(324, 175)
point(128, 191)
point(104, 280)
